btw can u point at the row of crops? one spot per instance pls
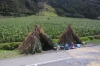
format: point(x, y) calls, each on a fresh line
point(16, 29)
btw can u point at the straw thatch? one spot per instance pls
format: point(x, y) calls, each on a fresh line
point(69, 36)
point(36, 41)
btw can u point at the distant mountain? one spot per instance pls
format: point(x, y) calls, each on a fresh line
point(69, 8)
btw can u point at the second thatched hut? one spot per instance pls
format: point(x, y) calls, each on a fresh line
point(69, 36)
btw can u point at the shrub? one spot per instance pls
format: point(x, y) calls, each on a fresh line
point(9, 46)
point(85, 39)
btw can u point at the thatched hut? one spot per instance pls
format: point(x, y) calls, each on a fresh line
point(36, 41)
point(69, 36)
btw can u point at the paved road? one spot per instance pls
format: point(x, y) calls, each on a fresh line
point(85, 56)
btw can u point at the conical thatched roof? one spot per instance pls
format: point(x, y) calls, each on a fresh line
point(69, 36)
point(36, 41)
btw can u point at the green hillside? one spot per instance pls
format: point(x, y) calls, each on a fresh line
point(47, 11)
point(67, 8)
point(77, 8)
point(18, 7)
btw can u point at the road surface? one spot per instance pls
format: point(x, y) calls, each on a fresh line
point(84, 56)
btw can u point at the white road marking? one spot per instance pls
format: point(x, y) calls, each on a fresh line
point(35, 64)
point(48, 62)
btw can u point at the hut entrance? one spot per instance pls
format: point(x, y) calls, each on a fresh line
point(45, 44)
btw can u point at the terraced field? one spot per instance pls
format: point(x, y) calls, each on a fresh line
point(16, 29)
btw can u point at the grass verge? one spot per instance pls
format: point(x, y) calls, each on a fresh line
point(4, 54)
point(95, 41)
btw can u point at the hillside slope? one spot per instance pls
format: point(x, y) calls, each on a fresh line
point(17, 7)
point(47, 11)
point(69, 8)
point(77, 8)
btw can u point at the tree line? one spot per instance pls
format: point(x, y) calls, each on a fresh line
point(18, 7)
point(77, 8)
point(68, 8)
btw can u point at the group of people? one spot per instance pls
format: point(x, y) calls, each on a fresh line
point(68, 46)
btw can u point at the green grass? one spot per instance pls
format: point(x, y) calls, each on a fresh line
point(55, 40)
point(95, 41)
point(86, 39)
point(7, 50)
point(47, 11)
point(1, 50)
point(49, 14)
point(16, 29)
point(90, 40)
point(4, 54)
